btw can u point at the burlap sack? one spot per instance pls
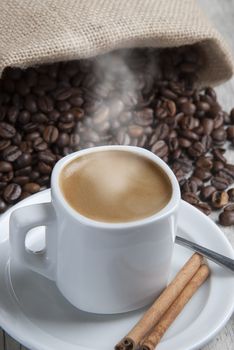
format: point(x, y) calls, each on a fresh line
point(39, 31)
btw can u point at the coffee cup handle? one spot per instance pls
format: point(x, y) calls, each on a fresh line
point(21, 221)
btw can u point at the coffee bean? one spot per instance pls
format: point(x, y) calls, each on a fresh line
point(30, 127)
point(50, 134)
point(25, 147)
point(184, 143)
point(90, 135)
point(66, 127)
point(190, 197)
point(204, 162)
point(219, 199)
point(190, 135)
point(24, 195)
point(23, 171)
point(203, 106)
point(231, 194)
point(227, 175)
point(188, 108)
point(203, 207)
point(39, 118)
point(63, 140)
point(45, 103)
point(39, 145)
point(76, 101)
point(206, 140)
point(17, 139)
point(196, 150)
point(202, 174)
point(211, 92)
point(11, 153)
point(47, 157)
point(74, 140)
point(206, 192)
point(220, 183)
point(53, 116)
point(31, 187)
point(160, 148)
point(176, 154)
point(189, 123)
point(135, 131)
point(218, 155)
point(229, 207)
point(24, 160)
point(44, 168)
point(5, 167)
point(11, 193)
point(198, 181)
point(4, 144)
point(7, 177)
point(208, 125)
point(190, 186)
point(43, 180)
point(30, 103)
point(12, 114)
point(217, 166)
point(161, 131)
point(32, 136)
point(123, 137)
point(24, 117)
point(168, 94)
point(7, 131)
point(218, 121)
point(63, 106)
point(226, 218)
point(34, 175)
point(228, 171)
point(173, 144)
point(63, 94)
point(67, 117)
point(144, 117)
point(185, 164)
point(219, 135)
point(21, 180)
point(199, 130)
point(141, 142)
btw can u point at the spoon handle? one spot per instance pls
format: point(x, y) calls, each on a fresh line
point(209, 254)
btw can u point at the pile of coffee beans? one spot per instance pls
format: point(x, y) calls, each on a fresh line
point(141, 97)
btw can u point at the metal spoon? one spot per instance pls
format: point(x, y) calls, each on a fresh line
point(209, 254)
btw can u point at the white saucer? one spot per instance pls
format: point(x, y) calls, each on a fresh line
point(34, 313)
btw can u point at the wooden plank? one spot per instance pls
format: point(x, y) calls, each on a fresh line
point(1, 339)
point(10, 343)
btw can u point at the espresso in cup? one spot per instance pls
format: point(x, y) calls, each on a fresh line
point(115, 186)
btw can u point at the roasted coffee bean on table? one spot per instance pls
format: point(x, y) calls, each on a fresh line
point(134, 97)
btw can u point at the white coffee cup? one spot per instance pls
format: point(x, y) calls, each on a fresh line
point(99, 267)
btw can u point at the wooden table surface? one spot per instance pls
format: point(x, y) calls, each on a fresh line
point(221, 13)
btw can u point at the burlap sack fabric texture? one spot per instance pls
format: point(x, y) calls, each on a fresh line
point(42, 31)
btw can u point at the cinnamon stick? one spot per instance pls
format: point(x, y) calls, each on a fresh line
point(155, 335)
point(159, 307)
